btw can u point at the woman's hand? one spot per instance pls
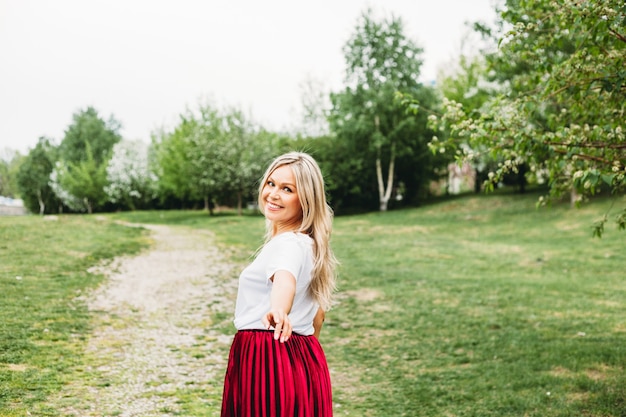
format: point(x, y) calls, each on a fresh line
point(279, 320)
point(281, 300)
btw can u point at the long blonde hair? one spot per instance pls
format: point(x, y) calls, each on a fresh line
point(317, 218)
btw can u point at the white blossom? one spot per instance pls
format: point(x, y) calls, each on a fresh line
point(62, 194)
point(128, 172)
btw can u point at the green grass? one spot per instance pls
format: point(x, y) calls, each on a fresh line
point(43, 322)
point(477, 306)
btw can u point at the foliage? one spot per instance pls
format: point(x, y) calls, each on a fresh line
point(315, 102)
point(129, 179)
point(79, 176)
point(468, 83)
point(381, 61)
point(34, 176)
point(189, 157)
point(89, 129)
point(171, 167)
point(80, 185)
point(563, 113)
point(248, 152)
point(205, 147)
point(10, 164)
point(350, 183)
point(215, 156)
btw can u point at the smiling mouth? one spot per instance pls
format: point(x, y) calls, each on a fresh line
point(273, 206)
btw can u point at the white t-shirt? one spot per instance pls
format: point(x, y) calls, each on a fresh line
point(292, 252)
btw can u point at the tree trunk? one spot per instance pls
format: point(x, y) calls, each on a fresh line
point(574, 197)
point(239, 204)
point(477, 182)
point(207, 205)
point(42, 205)
point(384, 194)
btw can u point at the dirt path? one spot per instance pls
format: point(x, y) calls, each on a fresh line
point(155, 331)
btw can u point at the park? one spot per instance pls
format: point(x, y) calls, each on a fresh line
point(479, 305)
point(479, 225)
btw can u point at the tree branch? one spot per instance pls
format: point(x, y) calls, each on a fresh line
point(585, 157)
point(580, 84)
point(618, 35)
point(595, 145)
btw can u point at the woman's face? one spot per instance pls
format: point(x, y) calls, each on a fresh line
point(280, 200)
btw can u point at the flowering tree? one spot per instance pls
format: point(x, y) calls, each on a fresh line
point(66, 197)
point(130, 181)
point(562, 115)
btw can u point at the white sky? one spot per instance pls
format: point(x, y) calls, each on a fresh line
point(146, 61)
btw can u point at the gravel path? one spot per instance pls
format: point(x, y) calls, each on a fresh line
point(156, 332)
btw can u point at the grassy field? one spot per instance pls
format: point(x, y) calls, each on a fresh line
point(477, 306)
point(480, 307)
point(43, 323)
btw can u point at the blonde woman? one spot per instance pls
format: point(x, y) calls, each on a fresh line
point(276, 365)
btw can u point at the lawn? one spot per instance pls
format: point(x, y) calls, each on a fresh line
point(43, 321)
point(475, 306)
point(479, 307)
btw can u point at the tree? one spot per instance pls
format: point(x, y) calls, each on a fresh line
point(172, 168)
point(211, 155)
point(315, 106)
point(10, 163)
point(80, 185)
point(79, 176)
point(563, 113)
point(34, 176)
point(380, 62)
point(469, 83)
point(246, 152)
point(208, 147)
point(348, 181)
point(130, 180)
point(88, 128)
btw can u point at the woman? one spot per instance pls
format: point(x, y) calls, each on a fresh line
point(276, 365)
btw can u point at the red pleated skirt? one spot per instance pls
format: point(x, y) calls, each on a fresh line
point(268, 378)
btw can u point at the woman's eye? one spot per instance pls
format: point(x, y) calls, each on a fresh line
point(270, 183)
point(287, 189)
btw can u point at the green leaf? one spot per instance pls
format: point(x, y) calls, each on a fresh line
point(608, 178)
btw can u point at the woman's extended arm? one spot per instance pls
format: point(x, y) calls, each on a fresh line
point(281, 301)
